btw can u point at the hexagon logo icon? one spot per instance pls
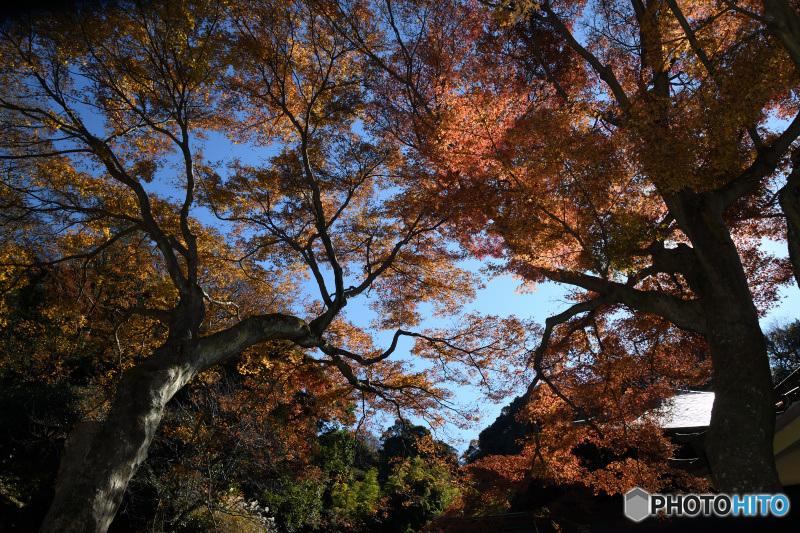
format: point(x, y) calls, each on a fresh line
point(637, 504)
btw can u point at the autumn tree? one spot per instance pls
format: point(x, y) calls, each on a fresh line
point(105, 115)
point(237, 439)
point(596, 430)
point(635, 151)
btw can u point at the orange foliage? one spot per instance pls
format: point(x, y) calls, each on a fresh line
point(626, 149)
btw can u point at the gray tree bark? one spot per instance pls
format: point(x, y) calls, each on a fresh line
point(100, 458)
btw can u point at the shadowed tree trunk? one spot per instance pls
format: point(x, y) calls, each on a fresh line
point(789, 198)
point(100, 458)
point(783, 21)
point(739, 443)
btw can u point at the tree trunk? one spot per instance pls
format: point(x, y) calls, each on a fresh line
point(789, 198)
point(739, 444)
point(100, 458)
point(783, 21)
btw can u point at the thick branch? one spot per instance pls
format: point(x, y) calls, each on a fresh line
point(765, 164)
point(782, 20)
point(685, 314)
point(87, 255)
point(216, 348)
point(538, 355)
point(605, 72)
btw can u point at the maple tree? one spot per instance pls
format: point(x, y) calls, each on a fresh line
point(635, 151)
point(104, 116)
point(238, 439)
point(625, 149)
point(599, 427)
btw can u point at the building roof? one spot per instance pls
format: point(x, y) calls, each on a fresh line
point(687, 409)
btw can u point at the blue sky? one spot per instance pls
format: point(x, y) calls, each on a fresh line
point(500, 297)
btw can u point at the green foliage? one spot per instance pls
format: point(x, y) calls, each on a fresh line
point(419, 477)
point(396, 487)
point(416, 491)
point(405, 440)
point(342, 454)
point(298, 505)
point(357, 498)
point(335, 453)
point(783, 347)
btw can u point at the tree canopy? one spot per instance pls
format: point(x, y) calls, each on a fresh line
point(636, 152)
point(104, 118)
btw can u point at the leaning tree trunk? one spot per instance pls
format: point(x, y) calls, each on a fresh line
point(739, 443)
point(100, 458)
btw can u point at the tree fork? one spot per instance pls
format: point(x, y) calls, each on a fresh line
point(739, 444)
